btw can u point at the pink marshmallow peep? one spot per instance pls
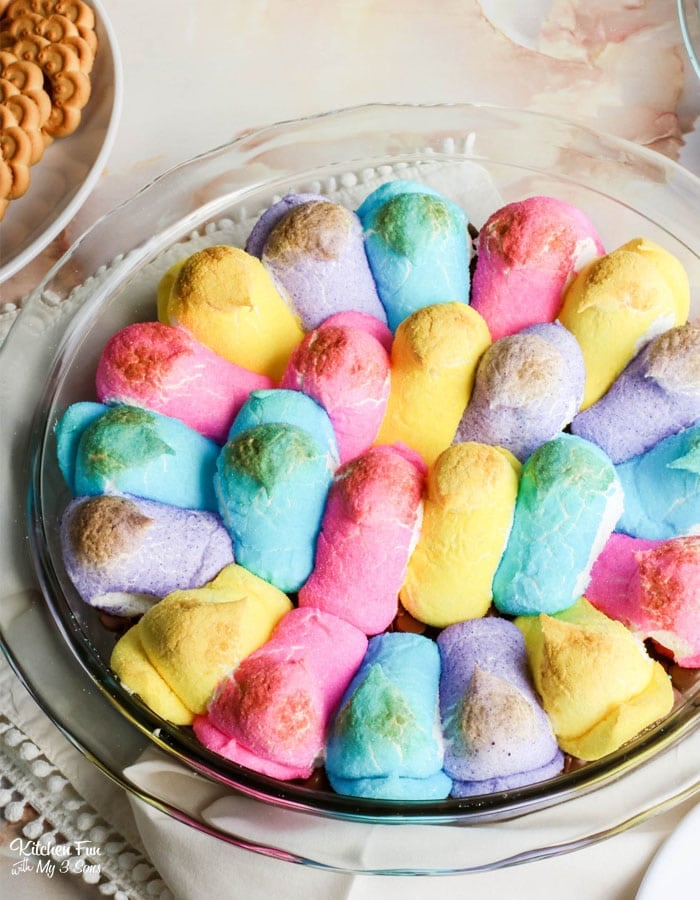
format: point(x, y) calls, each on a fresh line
point(272, 713)
point(346, 371)
point(526, 253)
point(370, 526)
point(652, 587)
point(353, 318)
point(162, 368)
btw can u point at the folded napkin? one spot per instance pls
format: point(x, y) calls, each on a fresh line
point(195, 864)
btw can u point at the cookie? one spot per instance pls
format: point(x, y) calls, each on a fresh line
point(15, 155)
point(55, 29)
point(28, 79)
point(76, 10)
point(68, 86)
point(47, 51)
point(27, 115)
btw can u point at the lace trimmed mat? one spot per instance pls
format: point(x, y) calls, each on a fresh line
point(61, 817)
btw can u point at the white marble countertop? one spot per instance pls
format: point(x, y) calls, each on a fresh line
point(196, 75)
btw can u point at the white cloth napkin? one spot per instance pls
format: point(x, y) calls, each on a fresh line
point(195, 864)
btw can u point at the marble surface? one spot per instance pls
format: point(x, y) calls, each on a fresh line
point(196, 75)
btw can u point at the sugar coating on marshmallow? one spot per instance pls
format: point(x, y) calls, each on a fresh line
point(527, 252)
point(255, 245)
point(176, 655)
point(127, 450)
point(655, 396)
point(273, 712)
point(528, 387)
point(433, 361)
point(569, 500)
point(370, 524)
point(467, 517)
point(662, 488)
point(385, 741)
point(163, 368)
point(284, 406)
point(619, 302)
point(417, 246)
point(653, 588)
point(597, 684)
point(271, 484)
point(315, 253)
point(351, 318)
point(69, 430)
point(123, 554)
point(346, 370)
point(227, 300)
point(497, 736)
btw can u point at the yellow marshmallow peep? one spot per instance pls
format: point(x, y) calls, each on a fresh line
point(597, 683)
point(619, 302)
point(467, 515)
point(176, 655)
point(227, 300)
point(433, 362)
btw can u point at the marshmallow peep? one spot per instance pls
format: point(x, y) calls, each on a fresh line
point(653, 588)
point(280, 405)
point(273, 712)
point(597, 684)
point(620, 302)
point(433, 361)
point(417, 246)
point(163, 368)
point(346, 370)
point(467, 516)
point(127, 450)
point(370, 525)
point(255, 245)
point(526, 253)
point(314, 250)
point(662, 488)
point(69, 430)
point(497, 737)
point(176, 655)
point(271, 482)
point(656, 395)
point(569, 500)
point(123, 554)
point(528, 387)
point(385, 742)
point(372, 325)
point(225, 299)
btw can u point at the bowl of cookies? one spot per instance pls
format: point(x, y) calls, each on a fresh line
point(60, 101)
point(364, 479)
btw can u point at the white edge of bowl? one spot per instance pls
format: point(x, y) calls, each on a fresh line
point(32, 251)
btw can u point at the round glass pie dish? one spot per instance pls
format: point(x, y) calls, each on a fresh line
point(480, 157)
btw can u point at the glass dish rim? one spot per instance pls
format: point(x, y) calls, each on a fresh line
point(259, 784)
point(689, 16)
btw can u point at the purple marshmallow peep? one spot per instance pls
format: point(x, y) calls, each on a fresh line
point(123, 554)
point(255, 245)
point(497, 736)
point(655, 396)
point(314, 250)
point(528, 387)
